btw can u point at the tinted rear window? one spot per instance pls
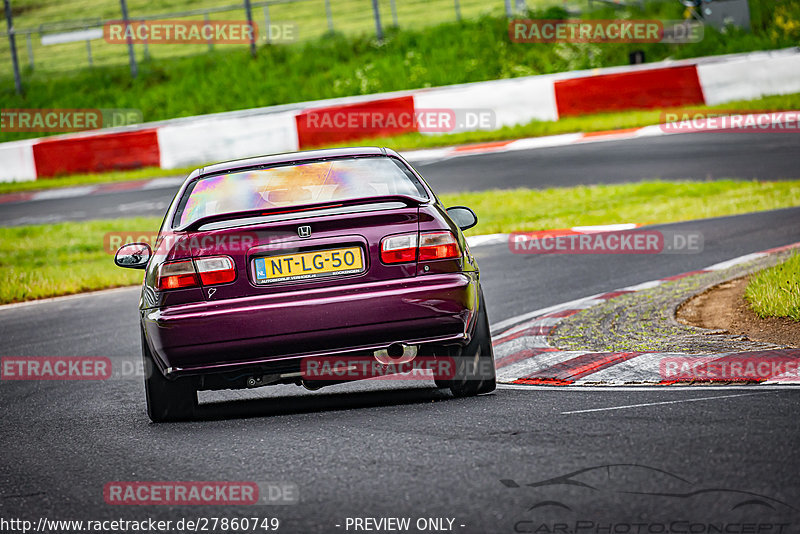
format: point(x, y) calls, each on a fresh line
point(296, 185)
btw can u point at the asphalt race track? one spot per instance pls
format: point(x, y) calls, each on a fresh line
point(696, 156)
point(684, 456)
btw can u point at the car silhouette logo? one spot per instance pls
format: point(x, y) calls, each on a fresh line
point(615, 480)
point(304, 231)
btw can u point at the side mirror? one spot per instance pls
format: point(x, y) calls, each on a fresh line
point(133, 255)
point(464, 217)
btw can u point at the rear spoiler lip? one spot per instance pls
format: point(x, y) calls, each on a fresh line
point(198, 223)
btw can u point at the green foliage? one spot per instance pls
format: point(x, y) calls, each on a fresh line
point(59, 259)
point(775, 292)
point(648, 202)
point(338, 65)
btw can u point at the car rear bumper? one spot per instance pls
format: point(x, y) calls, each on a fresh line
point(211, 337)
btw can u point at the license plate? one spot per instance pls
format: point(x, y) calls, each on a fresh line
point(309, 265)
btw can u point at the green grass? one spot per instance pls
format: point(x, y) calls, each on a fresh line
point(59, 259)
point(350, 17)
point(649, 202)
point(344, 65)
point(91, 179)
point(587, 123)
point(775, 292)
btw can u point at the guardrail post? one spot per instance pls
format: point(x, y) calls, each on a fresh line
point(210, 40)
point(378, 27)
point(329, 15)
point(131, 54)
point(30, 49)
point(13, 44)
point(249, 13)
point(394, 13)
point(458, 10)
point(265, 10)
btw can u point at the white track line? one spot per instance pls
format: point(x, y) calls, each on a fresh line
point(74, 296)
point(664, 402)
point(543, 311)
point(648, 388)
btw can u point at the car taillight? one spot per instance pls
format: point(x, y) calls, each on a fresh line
point(424, 247)
point(216, 270)
point(399, 248)
point(208, 271)
point(177, 275)
point(438, 246)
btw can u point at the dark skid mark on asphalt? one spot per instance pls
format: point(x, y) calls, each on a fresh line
point(319, 403)
point(23, 495)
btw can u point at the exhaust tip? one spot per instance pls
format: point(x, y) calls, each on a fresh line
point(309, 385)
point(396, 353)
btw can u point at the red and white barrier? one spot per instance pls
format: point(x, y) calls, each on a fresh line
point(513, 101)
point(749, 76)
point(639, 89)
point(327, 125)
point(198, 140)
point(218, 138)
point(96, 153)
point(16, 161)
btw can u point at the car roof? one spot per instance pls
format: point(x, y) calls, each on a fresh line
point(292, 157)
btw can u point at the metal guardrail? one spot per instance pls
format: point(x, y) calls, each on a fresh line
point(617, 3)
point(77, 44)
point(316, 18)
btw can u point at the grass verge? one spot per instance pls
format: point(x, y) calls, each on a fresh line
point(75, 180)
point(649, 202)
point(59, 259)
point(588, 123)
point(775, 292)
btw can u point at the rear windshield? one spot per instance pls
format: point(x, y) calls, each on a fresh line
point(295, 185)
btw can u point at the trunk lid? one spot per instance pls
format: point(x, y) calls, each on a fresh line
point(317, 248)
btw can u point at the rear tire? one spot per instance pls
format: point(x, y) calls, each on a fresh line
point(167, 400)
point(475, 372)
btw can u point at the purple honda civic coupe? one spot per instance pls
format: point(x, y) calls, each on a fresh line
point(265, 269)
